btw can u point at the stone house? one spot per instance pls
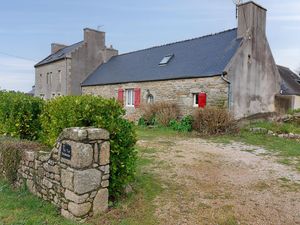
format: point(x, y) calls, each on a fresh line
point(289, 97)
point(66, 67)
point(233, 68)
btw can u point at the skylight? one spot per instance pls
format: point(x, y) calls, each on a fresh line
point(166, 60)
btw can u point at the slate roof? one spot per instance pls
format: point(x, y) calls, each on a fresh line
point(199, 57)
point(60, 54)
point(290, 81)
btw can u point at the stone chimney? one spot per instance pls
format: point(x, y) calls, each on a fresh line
point(56, 47)
point(94, 38)
point(251, 19)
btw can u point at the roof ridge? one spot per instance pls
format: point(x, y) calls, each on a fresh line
point(176, 42)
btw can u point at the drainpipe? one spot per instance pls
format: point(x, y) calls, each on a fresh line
point(229, 87)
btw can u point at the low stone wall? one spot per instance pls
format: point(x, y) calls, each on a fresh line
point(271, 133)
point(74, 176)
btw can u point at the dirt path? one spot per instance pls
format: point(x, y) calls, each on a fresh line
point(209, 183)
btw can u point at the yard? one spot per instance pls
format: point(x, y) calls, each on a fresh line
point(184, 179)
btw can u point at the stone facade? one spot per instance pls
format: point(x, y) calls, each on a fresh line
point(78, 185)
point(52, 79)
point(177, 91)
point(64, 76)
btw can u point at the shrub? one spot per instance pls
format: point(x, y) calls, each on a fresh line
point(160, 113)
point(211, 120)
point(85, 111)
point(184, 125)
point(19, 115)
point(11, 151)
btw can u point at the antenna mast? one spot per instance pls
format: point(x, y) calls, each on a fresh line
point(237, 3)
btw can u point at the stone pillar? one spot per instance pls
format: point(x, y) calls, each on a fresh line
point(85, 178)
point(74, 176)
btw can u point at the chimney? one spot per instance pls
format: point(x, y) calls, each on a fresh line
point(251, 19)
point(56, 47)
point(94, 37)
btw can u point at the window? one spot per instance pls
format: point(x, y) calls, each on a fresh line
point(129, 93)
point(150, 98)
point(59, 76)
point(166, 60)
point(195, 100)
point(53, 95)
point(42, 96)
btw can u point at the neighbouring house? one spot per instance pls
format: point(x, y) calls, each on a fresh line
point(289, 97)
point(234, 69)
point(62, 72)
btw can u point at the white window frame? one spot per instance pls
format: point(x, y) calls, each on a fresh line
point(129, 97)
point(195, 99)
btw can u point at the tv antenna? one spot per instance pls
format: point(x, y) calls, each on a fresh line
point(237, 3)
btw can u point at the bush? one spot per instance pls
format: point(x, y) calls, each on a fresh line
point(211, 120)
point(184, 125)
point(19, 115)
point(160, 113)
point(11, 151)
point(85, 111)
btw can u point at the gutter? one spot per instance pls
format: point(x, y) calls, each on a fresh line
point(229, 88)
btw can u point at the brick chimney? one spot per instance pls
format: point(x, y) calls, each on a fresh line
point(251, 19)
point(56, 47)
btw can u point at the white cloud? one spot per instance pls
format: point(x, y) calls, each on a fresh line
point(16, 74)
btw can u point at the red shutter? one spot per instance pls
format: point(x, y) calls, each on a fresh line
point(202, 100)
point(121, 96)
point(137, 97)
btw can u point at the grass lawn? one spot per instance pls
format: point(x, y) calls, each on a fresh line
point(21, 207)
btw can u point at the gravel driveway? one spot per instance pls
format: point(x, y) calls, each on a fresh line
point(211, 183)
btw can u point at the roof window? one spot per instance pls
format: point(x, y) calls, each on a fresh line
point(166, 60)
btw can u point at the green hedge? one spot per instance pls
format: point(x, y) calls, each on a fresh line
point(84, 111)
point(19, 115)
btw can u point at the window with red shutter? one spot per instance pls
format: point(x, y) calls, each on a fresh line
point(202, 100)
point(137, 97)
point(121, 96)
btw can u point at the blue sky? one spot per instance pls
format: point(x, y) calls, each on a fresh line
point(27, 28)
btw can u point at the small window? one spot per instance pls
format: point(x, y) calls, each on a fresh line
point(53, 95)
point(195, 100)
point(58, 94)
point(129, 93)
point(166, 60)
point(150, 99)
point(59, 76)
point(42, 96)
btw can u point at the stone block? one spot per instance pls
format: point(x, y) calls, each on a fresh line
point(104, 153)
point(65, 213)
point(86, 181)
point(43, 156)
point(29, 156)
point(82, 155)
point(30, 186)
point(97, 134)
point(105, 183)
point(74, 134)
point(105, 169)
point(67, 179)
point(100, 203)
point(79, 210)
point(76, 198)
point(47, 183)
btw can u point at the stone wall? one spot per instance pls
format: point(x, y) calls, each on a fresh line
point(177, 91)
point(74, 176)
